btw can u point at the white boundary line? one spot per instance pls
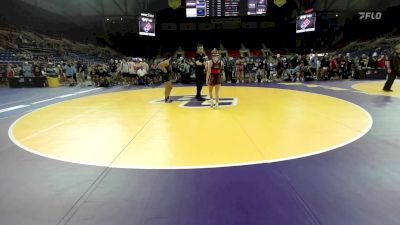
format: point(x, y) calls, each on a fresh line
point(46, 100)
point(66, 96)
point(15, 141)
point(13, 108)
point(11, 103)
point(41, 101)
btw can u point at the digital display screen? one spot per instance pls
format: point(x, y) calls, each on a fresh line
point(306, 23)
point(147, 26)
point(256, 7)
point(223, 8)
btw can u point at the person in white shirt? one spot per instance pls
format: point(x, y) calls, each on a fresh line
point(132, 72)
point(141, 72)
point(124, 68)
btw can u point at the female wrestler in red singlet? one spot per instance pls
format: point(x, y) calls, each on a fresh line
point(214, 77)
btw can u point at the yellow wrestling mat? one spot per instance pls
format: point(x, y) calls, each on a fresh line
point(375, 88)
point(131, 130)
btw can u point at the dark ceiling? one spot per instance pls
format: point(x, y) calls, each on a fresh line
point(132, 8)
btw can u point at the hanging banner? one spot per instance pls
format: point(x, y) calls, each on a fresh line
point(279, 3)
point(174, 3)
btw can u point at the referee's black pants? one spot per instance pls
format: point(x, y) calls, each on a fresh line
point(199, 82)
point(390, 81)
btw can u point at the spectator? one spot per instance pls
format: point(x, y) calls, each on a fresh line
point(69, 72)
point(230, 64)
point(380, 62)
point(80, 74)
point(343, 68)
point(314, 65)
point(10, 71)
point(239, 70)
point(333, 66)
point(141, 72)
point(373, 62)
point(124, 68)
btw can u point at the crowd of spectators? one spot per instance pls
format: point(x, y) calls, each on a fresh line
point(140, 71)
point(82, 65)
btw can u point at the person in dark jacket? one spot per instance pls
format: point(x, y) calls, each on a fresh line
point(393, 68)
point(200, 63)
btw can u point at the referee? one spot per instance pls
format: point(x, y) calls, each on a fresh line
point(393, 66)
point(200, 71)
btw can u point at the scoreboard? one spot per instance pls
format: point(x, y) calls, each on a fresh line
point(306, 23)
point(222, 8)
point(147, 25)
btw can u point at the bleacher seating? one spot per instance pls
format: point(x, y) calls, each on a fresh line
point(7, 55)
point(17, 46)
point(235, 53)
point(190, 54)
point(256, 52)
